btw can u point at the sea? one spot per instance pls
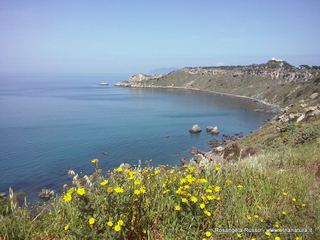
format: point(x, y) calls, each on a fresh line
point(52, 124)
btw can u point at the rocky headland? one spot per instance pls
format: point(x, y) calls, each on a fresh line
point(293, 90)
point(275, 82)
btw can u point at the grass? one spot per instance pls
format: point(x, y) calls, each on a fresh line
point(273, 190)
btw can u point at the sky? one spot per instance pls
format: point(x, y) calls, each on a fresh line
point(120, 37)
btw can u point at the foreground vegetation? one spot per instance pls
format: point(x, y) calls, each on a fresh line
point(274, 190)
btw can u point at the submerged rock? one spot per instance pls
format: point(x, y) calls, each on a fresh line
point(195, 129)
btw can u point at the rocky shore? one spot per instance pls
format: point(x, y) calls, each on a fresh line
point(292, 92)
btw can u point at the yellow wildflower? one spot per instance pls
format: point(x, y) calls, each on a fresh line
point(256, 216)
point(208, 234)
point(210, 197)
point(118, 190)
point(67, 197)
point(95, 161)
point(110, 223)
point(136, 192)
point(239, 186)
point(104, 182)
point(284, 213)
point(131, 175)
point(117, 228)
point(120, 223)
point(285, 194)
point(66, 227)
point(65, 185)
point(303, 205)
point(189, 176)
point(249, 218)
point(156, 172)
point(217, 167)
point(137, 182)
point(142, 189)
point(109, 189)
point(202, 205)
point(294, 199)
point(298, 238)
point(81, 191)
point(186, 187)
point(208, 190)
point(91, 220)
point(184, 200)
point(203, 180)
point(217, 188)
point(119, 169)
point(183, 181)
point(177, 208)
point(207, 213)
point(179, 191)
point(277, 238)
point(267, 234)
point(239, 235)
point(194, 199)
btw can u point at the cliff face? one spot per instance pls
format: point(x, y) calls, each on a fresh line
point(275, 82)
point(142, 77)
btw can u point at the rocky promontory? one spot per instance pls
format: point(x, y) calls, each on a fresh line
point(275, 82)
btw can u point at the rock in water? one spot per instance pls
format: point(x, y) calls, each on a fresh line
point(215, 130)
point(195, 129)
point(212, 130)
point(209, 128)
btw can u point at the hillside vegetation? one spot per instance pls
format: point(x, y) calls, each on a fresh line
point(275, 82)
point(269, 183)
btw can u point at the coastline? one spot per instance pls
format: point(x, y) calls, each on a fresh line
point(274, 108)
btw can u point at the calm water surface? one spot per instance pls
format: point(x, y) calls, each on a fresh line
point(49, 125)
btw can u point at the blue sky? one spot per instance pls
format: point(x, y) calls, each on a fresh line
point(120, 37)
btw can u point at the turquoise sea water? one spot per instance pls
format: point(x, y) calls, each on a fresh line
point(49, 125)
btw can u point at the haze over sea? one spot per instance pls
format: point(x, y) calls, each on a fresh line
point(49, 125)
